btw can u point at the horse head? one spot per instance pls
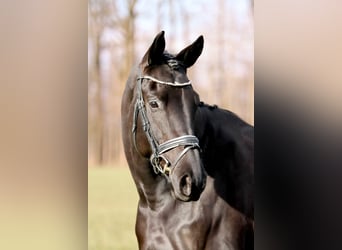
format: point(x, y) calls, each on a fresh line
point(163, 118)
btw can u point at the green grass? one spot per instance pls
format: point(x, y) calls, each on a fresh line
point(112, 206)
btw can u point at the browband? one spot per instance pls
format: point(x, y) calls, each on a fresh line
point(175, 84)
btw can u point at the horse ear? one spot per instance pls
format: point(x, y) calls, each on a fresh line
point(155, 52)
point(190, 54)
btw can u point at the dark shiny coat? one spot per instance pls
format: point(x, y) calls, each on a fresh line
point(222, 216)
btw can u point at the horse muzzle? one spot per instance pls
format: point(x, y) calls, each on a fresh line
point(189, 186)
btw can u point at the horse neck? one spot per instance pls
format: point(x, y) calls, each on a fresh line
point(153, 190)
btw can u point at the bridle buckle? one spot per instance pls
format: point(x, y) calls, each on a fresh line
point(161, 164)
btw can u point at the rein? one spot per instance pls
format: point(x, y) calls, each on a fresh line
point(158, 161)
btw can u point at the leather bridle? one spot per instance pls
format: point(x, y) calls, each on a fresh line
point(159, 161)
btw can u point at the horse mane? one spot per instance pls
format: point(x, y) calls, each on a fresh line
point(221, 112)
point(210, 107)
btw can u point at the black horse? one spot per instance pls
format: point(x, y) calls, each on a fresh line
point(192, 163)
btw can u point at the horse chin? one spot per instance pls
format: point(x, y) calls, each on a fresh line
point(193, 197)
point(180, 197)
point(189, 195)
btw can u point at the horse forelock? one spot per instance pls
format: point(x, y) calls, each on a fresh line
point(172, 61)
point(167, 59)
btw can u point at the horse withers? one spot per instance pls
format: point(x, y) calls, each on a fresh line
point(180, 206)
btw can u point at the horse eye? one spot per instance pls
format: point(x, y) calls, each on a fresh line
point(153, 104)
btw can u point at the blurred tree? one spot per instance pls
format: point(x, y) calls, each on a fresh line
point(106, 23)
point(122, 59)
point(101, 15)
point(223, 75)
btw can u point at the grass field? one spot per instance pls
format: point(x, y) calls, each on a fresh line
point(112, 206)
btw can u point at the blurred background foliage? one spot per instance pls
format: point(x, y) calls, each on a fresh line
point(119, 33)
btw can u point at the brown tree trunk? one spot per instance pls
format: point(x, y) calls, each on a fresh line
point(99, 114)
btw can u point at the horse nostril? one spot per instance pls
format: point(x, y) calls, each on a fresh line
point(185, 185)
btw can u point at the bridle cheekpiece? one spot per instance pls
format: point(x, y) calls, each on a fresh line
point(159, 161)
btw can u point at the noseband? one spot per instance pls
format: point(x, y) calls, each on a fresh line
point(159, 161)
